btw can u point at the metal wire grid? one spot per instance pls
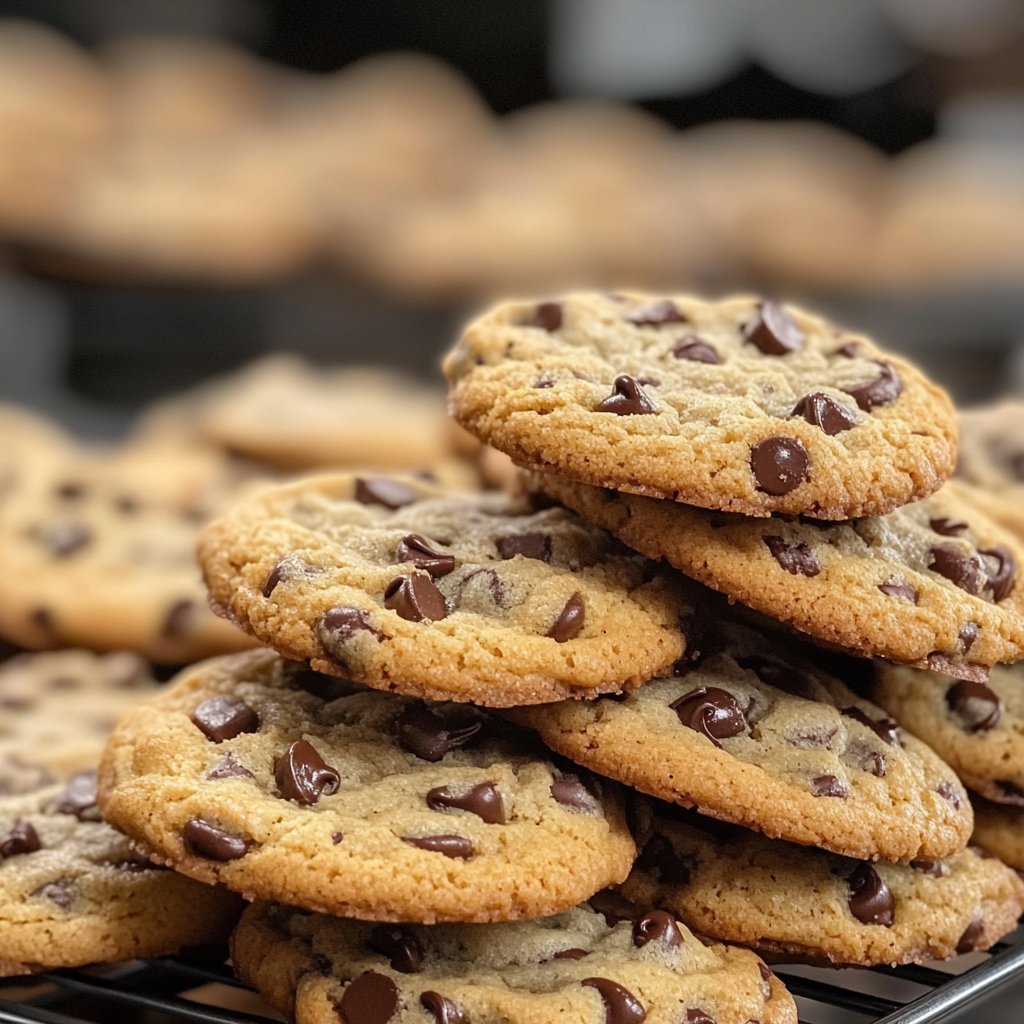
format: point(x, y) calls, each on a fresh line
point(163, 991)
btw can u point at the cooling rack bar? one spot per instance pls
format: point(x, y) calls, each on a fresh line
point(919, 975)
point(832, 995)
point(21, 1013)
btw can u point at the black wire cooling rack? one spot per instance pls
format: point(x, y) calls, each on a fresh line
point(206, 992)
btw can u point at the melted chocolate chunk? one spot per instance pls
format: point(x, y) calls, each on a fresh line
point(657, 926)
point(695, 350)
point(399, 944)
point(779, 465)
point(571, 791)
point(713, 712)
point(178, 620)
point(885, 388)
point(370, 998)
point(450, 845)
point(415, 598)
point(570, 621)
point(967, 635)
point(961, 569)
point(620, 1005)
point(935, 868)
point(699, 1017)
point(65, 539)
point(899, 588)
point(949, 793)
point(571, 954)
point(972, 937)
point(62, 892)
point(380, 490)
point(829, 785)
point(336, 837)
point(1002, 576)
point(207, 840)
point(224, 718)
point(529, 545)
point(424, 733)
point(660, 859)
point(797, 559)
point(886, 729)
point(343, 622)
point(948, 527)
point(288, 568)
point(22, 838)
point(653, 314)
point(870, 900)
point(774, 331)
point(628, 398)
point(547, 315)
point(444, 1010)
point(824, 412)
point(415, 548)
point(79, 797)
point(302, 774)
point(976, 707)
point(228, 767)
point(483, 800)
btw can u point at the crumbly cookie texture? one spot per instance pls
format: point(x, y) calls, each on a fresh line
point(758, 735)
point(934, 584)
point(574, 967)
point(741, 405)
point(73, 891)
point(797, 903)
point(977, 728)
point(999, 831)
point(480, 598)
point(285, 784)
point(57, 709)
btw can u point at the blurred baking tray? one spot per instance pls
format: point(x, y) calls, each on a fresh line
point(176, 989)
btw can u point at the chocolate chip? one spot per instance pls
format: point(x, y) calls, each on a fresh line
point(290, 567)
point(886, 729)
point(949, 793)
point(340, 624)
point(415, 598)
point(659, 857)
point(1002, 578)
point(415, 548)
point(620, 1005)
point(935, 868)
point(959, 568)
point(848, 350)
point(653, 314)
point(699, 1017)
point(798, 559)
point(766, 980)
point(874, 762)
point(22, 838)
point(774, 331)
point(62, 892)
point(207, 840)
point(976, 707)
point(483, 800)
point(178, 619)
point(570, 791)
point(449, 845)
point(657, 926)
point(70, 490)
point(380, 490)
point(628, 398)
point(547, 315)
point(302, 774)
point(829, 785)
point(399, 944)
point(336, 837)
point(870, 900)
point(370, 998)
point(224, 718)
point(885, 388)
point(444, 1010)
point(779, 465)
point(899, 588)
point(967, 635)
point(42, 619)
point(695, 350)
point(972, 937)
point(571, 618)
point(948, 527)
point(713, 712)
point(228, 767)
point(79, 797)
point(529, 545)
point(824, 412)
point(65, 539)
point(544, 382)
point(137, 867)
point(428, 736)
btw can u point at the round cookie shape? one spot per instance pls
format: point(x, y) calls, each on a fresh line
point(742, 405)
point(57, 709)
point(999, 831)
point(574, 966)
point(470, 597)
point(284, 784)
point(74, 892)
point(934, 584)
point(756, 734)
point(977, 728)
point(798, 903)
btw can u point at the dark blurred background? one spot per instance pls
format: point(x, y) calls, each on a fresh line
point(186, 184)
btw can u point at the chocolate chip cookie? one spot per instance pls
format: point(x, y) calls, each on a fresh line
point(757, 734)
point(796, 903)
point(402, 586)
point(999, 831)
point(571, 967)
point(743, 405)
point(934, 584)
point(977, 728)
point(285, 784)
point(57, 709)
point(73, 891)
point(991, 458)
